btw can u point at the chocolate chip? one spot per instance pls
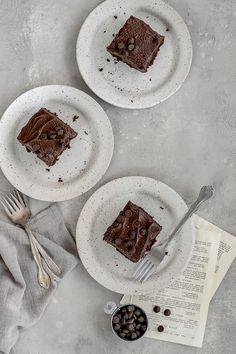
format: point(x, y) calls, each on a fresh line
point(131, 40)
point(108, 60)
point(47, 169)
point(144, 327)
point(132, 234)
point(131, 315)
point(123, 310)
point(131, 47)
point(161, 207)
point(118, 241)
point(128, 213)
point(130, 321)
point(126, 331)
point(166, 253)
point(75, 118)
point(138, 333)
point(60, 180)
point(126, 316)
point(131, 308)
point(167, 312)
point(143, 232)
point(141, 319)
point(156, 309)
point(119, 315)
point(115, 319)
point(130, 327)
point(117, 327)
point(86, 133)
point(134, 335)
point(101, 69)
point(120, 45)
point(160, 328)
point(129, 243)
point(167, 29)
point(122, 335)
point(138, 326)
point(123, 322)
point(115, 17)
point(60, 132)
point(137, 312)
point(43, 136)
point(52, 136)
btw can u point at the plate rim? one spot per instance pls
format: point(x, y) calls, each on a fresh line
point(132, 292)
point(69, 193)
point(136, 105)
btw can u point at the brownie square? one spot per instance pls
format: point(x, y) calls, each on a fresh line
point(46, 135)
point(133, 233)
point(136, 44)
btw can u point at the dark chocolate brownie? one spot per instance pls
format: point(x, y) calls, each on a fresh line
point(46, 135)
point(133, 233)
point(136, 44)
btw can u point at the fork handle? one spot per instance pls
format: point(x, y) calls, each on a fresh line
point(48, 260)
point(43, 277)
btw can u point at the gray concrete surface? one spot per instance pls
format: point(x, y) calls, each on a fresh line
point(186, 141)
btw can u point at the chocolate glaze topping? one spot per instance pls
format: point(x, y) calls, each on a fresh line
point(133, 233)
point(46, 135)
point(136, 44)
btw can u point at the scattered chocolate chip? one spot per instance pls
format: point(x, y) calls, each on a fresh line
point(117, 327)
point(141, 319)
point(130, 327)
point(167, 312)
point(137, 312)
point(132, 234)
point(43, 136)
point(86, 133)
point(131, 40)
point(115, 319)
point(128, 213)
point(108, 60)
point(134, 335)
point(76, 117)
point(160, 328)
point(60, 132)
point(115, 17)
point(156, 309)
point(120, 45)
point(122, 335)
point(60, 179)
point(131, 47)
point(131, 308)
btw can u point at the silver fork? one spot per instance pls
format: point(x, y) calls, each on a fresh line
point(148, 265)
point(18, 211)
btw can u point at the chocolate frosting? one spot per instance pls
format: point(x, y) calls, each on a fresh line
point(46, 135)
point(133, 233)
point(136, 44)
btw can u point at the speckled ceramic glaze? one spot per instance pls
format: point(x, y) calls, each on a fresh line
point(80, 167)
point(108, 266)
point(119, 84)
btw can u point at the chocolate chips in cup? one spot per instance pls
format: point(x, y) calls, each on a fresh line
point(129, 322)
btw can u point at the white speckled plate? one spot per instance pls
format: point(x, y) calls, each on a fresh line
point(80, 167)
point(109, 267)
point(119, 84)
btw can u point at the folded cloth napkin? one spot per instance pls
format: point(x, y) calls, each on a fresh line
point(22, 300)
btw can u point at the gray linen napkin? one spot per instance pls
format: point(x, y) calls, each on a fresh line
point(22, 300)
